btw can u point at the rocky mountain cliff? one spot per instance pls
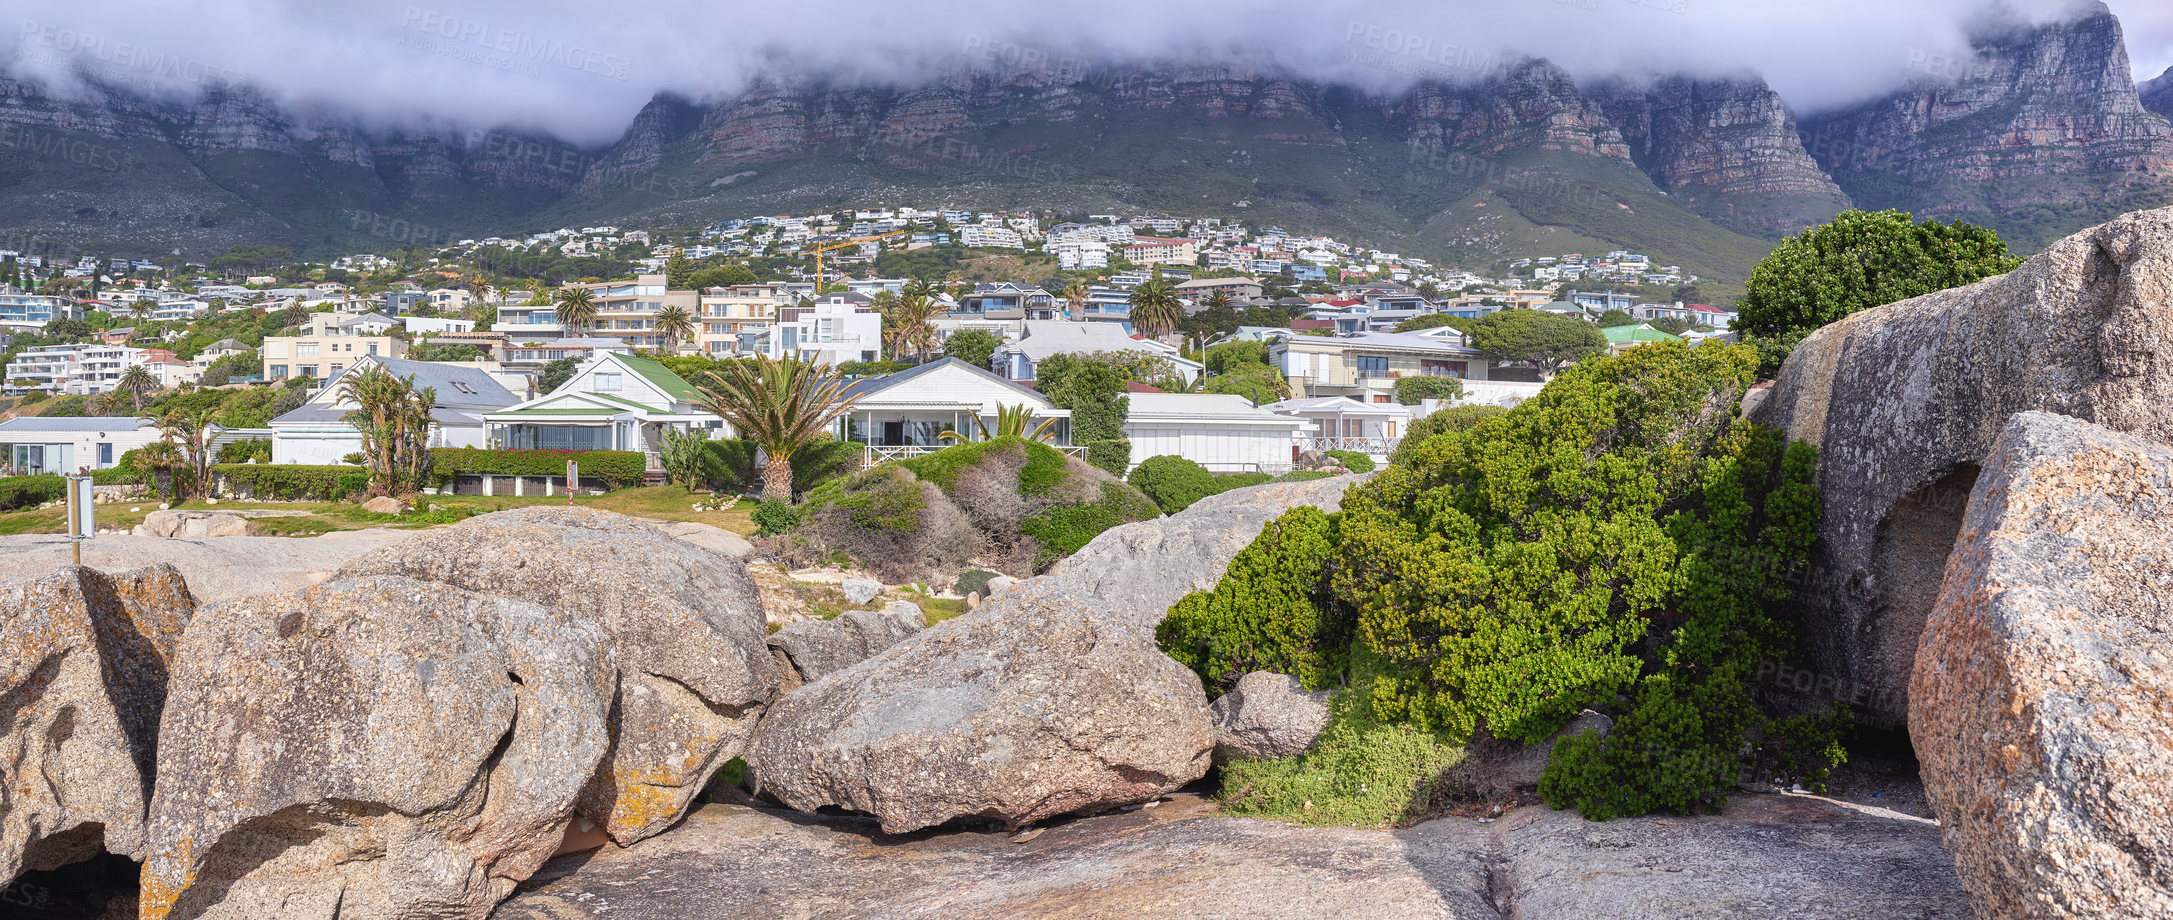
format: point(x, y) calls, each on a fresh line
point(2157, 95)
point(2045, 133)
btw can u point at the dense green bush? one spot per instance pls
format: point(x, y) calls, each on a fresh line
point(1042, 471)
point(1172, 481)
point(17, 492)
point(617, 468)
point(245, 450)
point(1617, 542)
point(1445, 420)
point(1410, 391)
point(1065, 529)
point(728, 465)
point(116, 476)
point(1360, 770)
point(1353, 460)
point(774, 516)
point(1110, 455)
point(293, 482)
point(971, 581)
point(1272, 610)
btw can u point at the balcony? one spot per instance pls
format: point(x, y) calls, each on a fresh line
point(1367, 446)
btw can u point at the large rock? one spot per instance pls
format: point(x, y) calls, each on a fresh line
point(1050, 697)
point(216, 570)
point(1904, 402)
point(1137, 571)
point(1268, 715)
point(83, 664)
point(371, 748)
point(1768, 857)
point(818, 648)
point(685, 624)
point(2042, 705)
point(1027, 708)
point(195, 525)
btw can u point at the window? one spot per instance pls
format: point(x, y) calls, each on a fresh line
point(1434, 368)
point(1372, 366)
point(305, 370)
point(373, 348)
point(1380, 397)
point(607, 382)
point(305, 350)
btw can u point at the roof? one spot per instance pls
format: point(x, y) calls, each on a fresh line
point(1045, 338)
point(1324, 405)
point(662, 377)
point(873, 385)
point(226, 345)
point(1152, 406)
point(458, 387)
point(1637, 333)
point(90, 424)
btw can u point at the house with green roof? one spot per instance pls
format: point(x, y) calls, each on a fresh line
point(1622, 338)
point(612, 402)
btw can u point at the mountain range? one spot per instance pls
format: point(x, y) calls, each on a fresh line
point(2045, 131)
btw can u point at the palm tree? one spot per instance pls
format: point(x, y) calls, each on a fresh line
point(141, 310)
point(1011, 422)
point(1075, 294)
point(1155, 310)
point(780, 404)
point(1218, 300)
point(908, 325)
point(675, 325)
point(188, 435)
point(478, 288)
point(393, 416)
point(576, 309)
point(136, 381)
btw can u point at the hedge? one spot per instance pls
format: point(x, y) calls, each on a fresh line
point(1353, 460)
point(1410, 391)
point(617, 468)
point(293, 482)
point(31, 491)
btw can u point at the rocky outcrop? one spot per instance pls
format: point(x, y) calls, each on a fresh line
point(819, 648)
point(1268, 715)
point(2040, 701)
point(2157, 95)
point(194, 525)
point(1136, 572)
point(1766, 856)
point(1027, 708)
point(1528, 105)
point(372, 747)
point(684, 623)
point(1904, 402)
point(216, 571)
point(83, 670)
point(1048, 698)
point(1728, 148)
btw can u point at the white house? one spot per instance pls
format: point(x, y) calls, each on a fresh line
point(1041, 339)
point(1220, 432)
point(62, 445)
point(904, 413)
point(317, 432)
point(612, 402)
point(427, 325)
point(833, 331)
point(1342, 423)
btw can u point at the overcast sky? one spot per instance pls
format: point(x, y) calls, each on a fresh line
point(580, 70)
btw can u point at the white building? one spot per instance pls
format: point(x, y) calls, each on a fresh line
point(613, 402)
point(72, 369)
point(63, 445)
point(317, 433)
point(1040, 339)
point(833, 331)
point(1220, 432)
point(904, 414)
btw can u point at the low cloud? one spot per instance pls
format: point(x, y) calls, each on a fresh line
point(581, 71)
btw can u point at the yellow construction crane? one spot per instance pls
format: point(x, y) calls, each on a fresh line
point(842, 244)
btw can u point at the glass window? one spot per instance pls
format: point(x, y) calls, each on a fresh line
point(607, 382)
point(1372, 366)
point(305, 350)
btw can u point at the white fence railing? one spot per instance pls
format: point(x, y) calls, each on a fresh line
point(875, 454)
point(1361, 445)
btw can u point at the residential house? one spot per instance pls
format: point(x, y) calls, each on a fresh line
point(903, 414)
point(1365, 366)
point(728, 314)
point(626, 310)
point(331, 344)
point(433, 325)
point(1158, 250)
point(1018, 358)
point(836, 329)
point(1220, 432)
point(318, 433)
point(64, 445)
point(223, 348)
point(1344, 423)
point(613, 402)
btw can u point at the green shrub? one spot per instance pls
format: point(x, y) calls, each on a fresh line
point(1441, 422)
point(616, 468)
point(1410, 391)
point(822, 461)
point(1065, 529)
point(245, 450)
point(1172, 481)
point(1359, 771)
point(1353, 460)
point(116, 476)
point(774, 516)
point(17, 492)
point(1110, 455)
point(293, 482)
point(1303, 476)
point(973, 581)
point(1042, 472)
point(1271, 611)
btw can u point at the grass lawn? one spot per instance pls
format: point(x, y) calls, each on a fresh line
point(670, 503)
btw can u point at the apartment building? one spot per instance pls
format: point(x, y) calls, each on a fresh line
point(75, 369)
point(990, 237)
point(1159, 250)
point(833, 331)
point(729, 316)
point(328, 346)
point(33, 311)
point(626, 310)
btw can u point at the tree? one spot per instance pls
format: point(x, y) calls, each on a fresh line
point(478, 288)
point(678, 272)
point(1674, 325)
point(1155, 310)
point(393, 416)
point(780, 404)
point(1075, 296)
point(576, 309)
point(681, 450)
point(189, 434)
point(1549, 340)
point(909, 324)
point(141, 310)
point(1855, 262)
point(1011, 422)
point(1094, 390)
point(555, 374)
point(1411, 391)
point(1219, 299)
point(136, 381)
point(1615, 318)
point(973, 346)
point(725, 276)
point(1432, 320)
point(675, 325)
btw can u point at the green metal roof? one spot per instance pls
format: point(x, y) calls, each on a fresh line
point(656, 373)
point(621, 400)
point(554, 413)
point(1637, 333)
